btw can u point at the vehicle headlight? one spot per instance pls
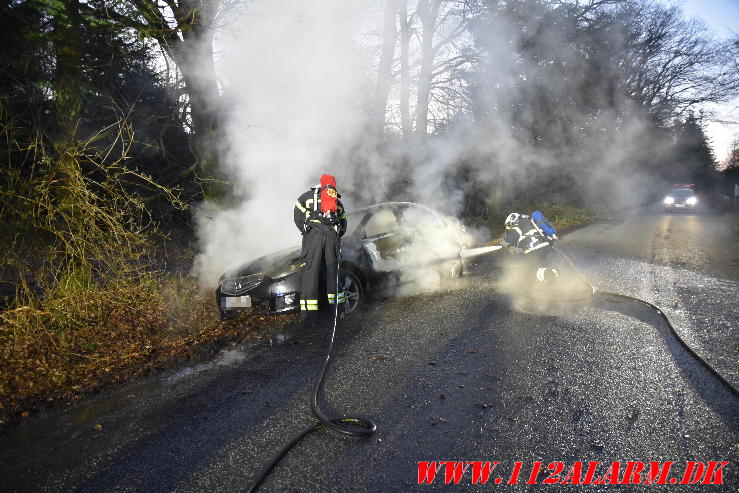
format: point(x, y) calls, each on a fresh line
point(290, 270)
point(669, 200)
point(236, 285)
point(691, 201)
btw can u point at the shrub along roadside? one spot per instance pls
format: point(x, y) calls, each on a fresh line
point(87, 314)
point(562, 216)
point(97, 339)
point(81, 307)
point(565, 216)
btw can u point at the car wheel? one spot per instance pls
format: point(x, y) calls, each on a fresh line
point(352, 286)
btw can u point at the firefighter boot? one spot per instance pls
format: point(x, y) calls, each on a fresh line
point(547, 275)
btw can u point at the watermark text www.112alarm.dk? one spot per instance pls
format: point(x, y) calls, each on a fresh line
point(557, 472)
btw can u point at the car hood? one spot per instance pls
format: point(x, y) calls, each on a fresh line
point(274, 265)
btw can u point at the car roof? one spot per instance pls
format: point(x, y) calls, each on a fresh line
point(377, 207)
point(389, 204)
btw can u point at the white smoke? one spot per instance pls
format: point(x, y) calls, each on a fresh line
point(298, 78)
point(293, 81)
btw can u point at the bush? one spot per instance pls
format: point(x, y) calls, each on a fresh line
point(71, 214)
point(562, 216)
point(82, 305)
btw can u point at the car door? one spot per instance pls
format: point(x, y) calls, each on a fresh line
point(431, 238)
point(383, 241)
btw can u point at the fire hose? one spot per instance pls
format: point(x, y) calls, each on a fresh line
point(596, 292)
point(360, 427)
point(357, 427)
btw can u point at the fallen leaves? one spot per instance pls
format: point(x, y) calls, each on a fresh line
point(101, 339)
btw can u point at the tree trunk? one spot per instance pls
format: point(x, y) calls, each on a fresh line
point(190, 45)
point(194, 57)
point(384, 72)
point(67, 79)
point(427, 11)
point(405, 37)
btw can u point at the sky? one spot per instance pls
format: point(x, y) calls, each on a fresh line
point(722, 16)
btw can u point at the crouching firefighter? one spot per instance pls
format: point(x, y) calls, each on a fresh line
point(319, 216)
point(533, 237)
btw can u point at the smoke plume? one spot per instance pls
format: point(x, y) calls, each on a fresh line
point(293, 82)
point(532, 120)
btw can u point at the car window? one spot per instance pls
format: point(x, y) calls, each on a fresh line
point(353, 220)
point(381, 222)
point(682, 193)
point(418, 217)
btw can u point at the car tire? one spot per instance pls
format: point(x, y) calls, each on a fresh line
point(350, 283)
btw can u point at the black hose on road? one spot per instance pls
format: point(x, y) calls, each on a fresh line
point(688, 348)
point(361, 427)
point(357, 427)
point(685, 345)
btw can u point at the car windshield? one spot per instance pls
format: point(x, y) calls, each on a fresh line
point(352, 221)
point(383, 221)
point(418, 217)
point(682, 193)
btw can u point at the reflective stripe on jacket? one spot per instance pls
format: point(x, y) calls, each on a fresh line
point(308, 209)
point(524, 235)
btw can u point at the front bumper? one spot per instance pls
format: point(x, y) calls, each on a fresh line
point(270, 297)
point(680, 206)
point(286, 303)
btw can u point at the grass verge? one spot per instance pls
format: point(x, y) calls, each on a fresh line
point(563, 217)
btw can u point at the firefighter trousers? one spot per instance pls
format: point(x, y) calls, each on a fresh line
point(540, 262)
point(321, 247)
point(532, 262)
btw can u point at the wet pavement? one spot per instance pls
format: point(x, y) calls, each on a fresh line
point(455, 375)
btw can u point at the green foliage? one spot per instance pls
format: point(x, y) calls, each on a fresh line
point(566, 216)
point(692, 160)
point(53, 8)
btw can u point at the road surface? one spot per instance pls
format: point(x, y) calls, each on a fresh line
point(454, 375)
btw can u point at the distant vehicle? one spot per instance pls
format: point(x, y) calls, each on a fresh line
point(682, 198)
point(382, 242)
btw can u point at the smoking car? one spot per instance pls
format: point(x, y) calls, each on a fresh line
point(680, 199)
point(384, 245)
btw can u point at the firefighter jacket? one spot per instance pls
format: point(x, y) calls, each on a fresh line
point(308, 210)
point(523, 234)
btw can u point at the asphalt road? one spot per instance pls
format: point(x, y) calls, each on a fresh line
point(455, 375)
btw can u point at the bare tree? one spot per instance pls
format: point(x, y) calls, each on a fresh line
point(731, 162)
point(671, 64)
point(384, 72)
point(430, 63)
point(405, 37)
point(453, 60)
point(185, 30)
point(68, 64)
point(427, 12)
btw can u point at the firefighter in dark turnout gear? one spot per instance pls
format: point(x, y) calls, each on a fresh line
point(319, 215)
point(533, 236)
